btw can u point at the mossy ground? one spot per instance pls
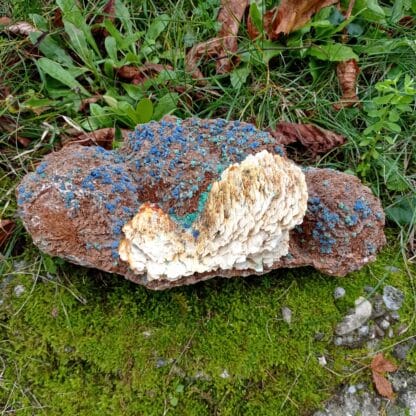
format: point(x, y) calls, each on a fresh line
point(81, 342)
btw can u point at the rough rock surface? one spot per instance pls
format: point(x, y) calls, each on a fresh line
point(78, 200)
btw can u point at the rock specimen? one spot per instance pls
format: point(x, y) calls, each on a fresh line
point(185, 200)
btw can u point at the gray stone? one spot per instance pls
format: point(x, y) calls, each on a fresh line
point(395, 316)
point(384, 324)
point(339, 293)
point(363, 331)
point(338, 341)
point(225, 374)
point(322, 361)
point(378, 306)
point(360, 316)
point(393, 298)
point(287, 315)
point(401, 350)
point(19, 290)
point(352, 389)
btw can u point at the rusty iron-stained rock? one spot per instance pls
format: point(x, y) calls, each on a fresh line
point(186, 200)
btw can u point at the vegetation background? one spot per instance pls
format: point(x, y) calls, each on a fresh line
point(77, 341)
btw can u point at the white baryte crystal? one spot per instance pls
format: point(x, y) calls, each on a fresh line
point(245, 223)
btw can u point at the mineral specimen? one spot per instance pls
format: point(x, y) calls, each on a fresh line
point(185, 200)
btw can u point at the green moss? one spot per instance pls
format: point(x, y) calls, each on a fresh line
point(92, 343)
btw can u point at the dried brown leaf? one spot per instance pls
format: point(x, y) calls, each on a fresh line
point(382, 385)
point(5, 21)
point(87, 101)
point(102, 137)
point(291, 15)
point(225, 45)
point(57, 18)
point(21, 28)
point(382, 364)
point(347, 73)
point(139, 74)
point(23, 141)
point(109, 10)
point(6, 230)
point(316, 139)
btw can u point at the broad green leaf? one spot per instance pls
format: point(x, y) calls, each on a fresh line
point(111, 48)
point(79, 43)
point(404, 211)
point(56, 71)
point(39, 22)
point(369, 10)
point(123, 14)
point(50, 49)
point(111, 101)
point(394, 115)
point(334, 52)
point(239, 76)
point(158, 25)
point(166, 105)
point(144, 110)
point(133, 91)
point(268, 50)
point(384, 99)
point(397, 11)
point(393, 127)
point(355, 29)
point(256, 17)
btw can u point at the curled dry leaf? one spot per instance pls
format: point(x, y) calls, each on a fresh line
point(316, 139)
point(87, 101)
point(225, 45)
point(291, 15)
point(379, 366)
point(6, 230)
point(347, 73)
point(102, 137)
point(108, 12)
point(21, 28)
point(23, 141)
point(5, 21)
point(139, 74)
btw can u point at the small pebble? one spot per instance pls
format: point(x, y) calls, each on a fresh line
point(352, 389)
point(322, 361)
point(393, 298)
point(379, 331)
point(391, 269)
point(339, 293)
point(319, 336)
point(384, 324)
point(338, 341)
point(378, 306)
point(287, 315)
point(395, 316)
point(19, 290)
point(225, 374)
point(363, 330)
point(146, 334)
point(390, 333)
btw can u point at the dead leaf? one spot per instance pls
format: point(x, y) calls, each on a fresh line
point(57, 18)
point(291, 15)
point(21, 28)
point(379, 366)
point(316, 139)
point(108, 12)
point(383, 386)
point(24, 141)
point(87, 101)
point(382, 364)
point(4, 89)
point(347, 73)
point(225, 45)
point(139, 74)
point(6, 229)
point(102, 137)
point(5, 21)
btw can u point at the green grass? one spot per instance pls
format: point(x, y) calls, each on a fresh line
point(83, 342)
